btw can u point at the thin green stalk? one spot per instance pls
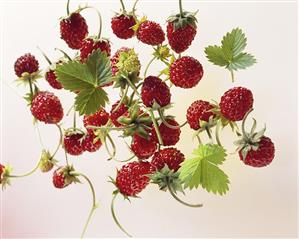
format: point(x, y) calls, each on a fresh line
point(64, 53)
point(126, 160)
point(209, 133)
point(45, 56)
point(112, 155)
point(199, 140)
point(60, 140)
point(123, 6)
point(181, 8)
point(68, 7)
point(30, 86)
point(148, 65)
point(110, 128)
point(39, 136)
point(123, 97)
point(26, 174)
point(232, 76)
point(131, 85)
point(169, 125)
point(66, 158)
point(74, 119)
point(217, 134)
point(156, 126)
point(114, 216)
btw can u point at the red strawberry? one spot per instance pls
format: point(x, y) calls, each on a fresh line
point(26, 64)
point(122, 26)
point(99, 118)
point(132, 178)
point(199, 110)
point(72, 143)
point(52, 80)
point(186, 72)
point(181, 38)
point(143, 148)
point(115, 59)
point(90, 44)
point(73, 30)
point(2, 168)
point(150, 33)
point(46, 107)
point(262, 156)
point(88, 143)
point(170, 157)
point(155, 90)
point(235, 103)
point(62, 177)
point(115, 114)
point(170, 136)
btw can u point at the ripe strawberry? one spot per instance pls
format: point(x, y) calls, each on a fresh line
point(122, 26)
point(46, 107)
point(150, 33)
point(115, 59)
point(26, 64)
point(72, 143)
point(143, 148)
point(90, 44)
point(115, 114)
point(132, 178)
point(170, 136)
point(73, 30)
point(186, 72)
point(62, 177)
point(52, 80)
point(155, 90)
point(168, 156)
point(262, 156)
point(199, 110)
point(235, 103)
point(88, 143)
point(99, 118)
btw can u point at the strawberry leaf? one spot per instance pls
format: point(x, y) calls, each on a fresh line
point(202, 169)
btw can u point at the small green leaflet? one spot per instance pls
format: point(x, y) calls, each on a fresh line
point(87, 78)
point(229, 54)
point(202, 169)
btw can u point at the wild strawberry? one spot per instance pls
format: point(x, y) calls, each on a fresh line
point(73, 30)
point(115, 59)
point(89, 144)
point(170, 136)
point(150, 33)
point(99, 118)
point(2, 168)
point(155, 90)
point(143, 148)
point(262, 156)
point(115, 114)
point(26, 64)
point(72, 143)
point(52, 80)
point(122, 26)
point(132, 178)
point(46, 162)
point(62, 177)
point(46, 107)
point(181, 30)
point(199, 111)
point(90, 44)
point(235, 103)
point(186, 72)
point(168, 156)
point(5, 172)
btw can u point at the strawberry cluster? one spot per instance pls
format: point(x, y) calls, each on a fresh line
point(140, 114)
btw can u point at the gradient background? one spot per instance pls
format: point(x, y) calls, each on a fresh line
point(261, 202)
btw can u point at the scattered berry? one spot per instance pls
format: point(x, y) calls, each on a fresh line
point(235, 103)
point(46, 107)
point(26, 64)
point(132, 178)
point(115, 114)
point(62, 177)
point(99, 118)
point(168, 156)
point(89, 45)
point(88, 143)
point(52, 80)
point(150, 33)
point(73, 30)
point(115, 59)
point(46, 162)
point(122, 26)
point(155, 90)
point(199, 110)
point(72, 143)
point(143, 148)
point(186, 72)
point(170, 136)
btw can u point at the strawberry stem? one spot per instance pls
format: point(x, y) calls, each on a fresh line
point(178, 199)
point(156, 126)
point(60, 140)
point(75, 119)
point(111, 154)
point(126, 160)
point(131, 84)
point(68, 7)
point(114, 216)
point(30, 87)
point(64, 53)
point(123, 6)
point(148, 65)
point(123, 97)
point(45, 56)
point(243, 122)
point(232, 75)
point(26, 174)
point(181, 8)
point(198, 139)
point(162, 117)
point(217, 134)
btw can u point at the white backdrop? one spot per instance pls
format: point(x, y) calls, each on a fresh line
point(261, 202)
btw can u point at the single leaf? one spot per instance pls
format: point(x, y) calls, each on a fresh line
point(216, 55)
point(190, 172)
point(242, 61)
point(75, 76)
point(233, 43)
point(90, 100)
point(211, 152)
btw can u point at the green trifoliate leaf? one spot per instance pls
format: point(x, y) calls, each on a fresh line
point(202, 169)
point(230, 54)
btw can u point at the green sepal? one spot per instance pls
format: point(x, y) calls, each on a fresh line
point(4, 178)
point(180, 21)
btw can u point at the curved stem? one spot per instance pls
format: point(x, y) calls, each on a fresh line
point(209, 133)
point(181, 8)
point(217, 134)
point(123, 97)
point(199, 140)
point(66, 158)
point(110, 128)
point(112, 155)
point(169, 125)
point(134, 8)
point(74, 119)
point(30, 86)
point(123, 6)
point(124, 161)
point(131, 85)
point(45, 56)
point(100, 19)
point(178, 199)
point(68, 7)
point(156, 126)
point(148, 65)
point(232, 76)
point(114, 216)
point(60, 140)
point(26, 174)
point(243, 122)
point(39, 136)
point(64, 53)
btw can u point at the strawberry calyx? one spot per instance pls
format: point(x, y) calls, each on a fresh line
point(138, 23)
point(5, 175)
point(249, 140)
point(47, 161)
point(69, 175)
point(220, 117)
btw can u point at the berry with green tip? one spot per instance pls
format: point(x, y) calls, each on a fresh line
point(46, 162)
